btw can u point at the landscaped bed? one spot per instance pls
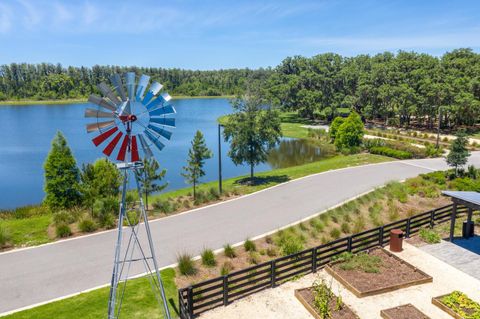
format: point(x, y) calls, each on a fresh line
point(322, 303)
point(375, 272)
point(407, 311)
point(458, 305)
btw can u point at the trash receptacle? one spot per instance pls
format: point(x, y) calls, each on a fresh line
point(468, 229)
point(396, 240)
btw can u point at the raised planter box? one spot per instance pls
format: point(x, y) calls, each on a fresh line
point(305, 296)
point(407, 311)
point(372, 283)
point(437, 301)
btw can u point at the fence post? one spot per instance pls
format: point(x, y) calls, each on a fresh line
point(349, 244)
point(225, 290)
point(432, 218)
point(272, 273)
point(190, 301)
point(314, 259)
point(380, 236)
point(407, 227)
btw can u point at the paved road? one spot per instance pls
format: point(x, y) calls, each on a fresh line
point(51, 271)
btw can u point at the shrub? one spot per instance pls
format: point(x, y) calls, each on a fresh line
point(291, 245)
point(131, 218)
point(108, 221)
point(429, 236)
point(164, 206)
point(186, 265)
point(335, 233)
point(63, 217)
point(63, 230)
point(345, 228)
point(227, 267)
point(214, 194)
point(390, 152)
point(87, 225)
point(253, 258)
point(208, 258)
point(271, 252)
point(229, 251)
point(4, 235)
point(249, 245)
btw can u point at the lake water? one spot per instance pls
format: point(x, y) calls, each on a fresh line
point(27, 132)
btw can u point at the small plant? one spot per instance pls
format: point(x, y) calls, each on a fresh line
point(359, 224)
point(317, 225)
point(269, 239)
point(229, 251)
point(429, 236)
point(271, 252)
point(362, 261)
point(108, 221)
point(63, 230)
point(63, 217)
point(227, 267)
point(335, 233)
point(4, 235)
point(87, 225)
point(253, 258)
point(291, 245)
point(345, 228)
point(302, 227)
point(461, 304)
point(208, 258)
point(393, 213)
point(323, 298)
point(186, 265)
point(249, 245)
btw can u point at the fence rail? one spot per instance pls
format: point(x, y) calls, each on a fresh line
point(221, 291)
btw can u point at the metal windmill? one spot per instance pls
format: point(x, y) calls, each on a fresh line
point(128, 119)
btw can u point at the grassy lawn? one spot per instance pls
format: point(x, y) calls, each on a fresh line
point(139, 302)
point(28, 231)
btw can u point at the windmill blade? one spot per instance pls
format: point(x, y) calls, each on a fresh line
point(95, 99)
point(146, 149)
point(123, 149)
point(134, 150)
point(154, 140)
point(142, 85)
point(152, 91)
point(160, 101)
point(163, 121)
point(111, 146)
point(102, 137)
point(163, 133)
point(117, 83)
point(99, 125)
point(130, 81)
point(98, 114)
point(164, 110)
point(106, 91)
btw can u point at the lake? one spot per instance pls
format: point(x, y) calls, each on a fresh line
point(28, 130)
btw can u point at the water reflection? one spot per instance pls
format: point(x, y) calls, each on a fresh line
point(291, 152)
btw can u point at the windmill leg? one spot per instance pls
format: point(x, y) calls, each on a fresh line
point(118, 246)
point(152, 249)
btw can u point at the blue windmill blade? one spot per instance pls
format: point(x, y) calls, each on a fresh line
point(165, 110)
point(142, 85)
point(130, 82)
point(160, 101)
point(162, 132)
point(146, 149)
point(118, 84)
point(152, 91)
point(154, 140)
point(163, 121)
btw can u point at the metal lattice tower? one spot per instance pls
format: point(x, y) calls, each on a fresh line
point(132, 117)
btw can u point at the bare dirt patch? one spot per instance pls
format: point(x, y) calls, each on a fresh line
point(306, 297)
point(407, 311)
point(393, 273)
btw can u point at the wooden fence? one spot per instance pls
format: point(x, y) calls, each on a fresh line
point(223, 290)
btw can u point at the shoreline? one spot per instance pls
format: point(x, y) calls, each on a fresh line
point(78, 101)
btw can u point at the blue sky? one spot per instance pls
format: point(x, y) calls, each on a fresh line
point(224, 34)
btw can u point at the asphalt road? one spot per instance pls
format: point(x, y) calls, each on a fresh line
point(51, 271)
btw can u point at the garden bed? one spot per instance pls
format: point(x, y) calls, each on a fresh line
point(306, 297)
point(458, 305)
point(407, 311)
point(390, 273)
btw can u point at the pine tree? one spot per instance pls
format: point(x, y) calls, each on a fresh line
point(61, 176)
point(459, 153)
point(150, 176)
point(197, 155)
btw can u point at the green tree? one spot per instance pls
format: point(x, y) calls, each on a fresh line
point(350, 133)
point(333, 129)
point(61, 176)
point(197, 155)
point(150, 178)
point(252, 131)
point(459, 153)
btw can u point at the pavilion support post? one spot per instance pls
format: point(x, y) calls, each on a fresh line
point(470, 214)
point(452, 221)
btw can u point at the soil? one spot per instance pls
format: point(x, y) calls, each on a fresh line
point(392, 272)
point(404, 312)
point(344, 313)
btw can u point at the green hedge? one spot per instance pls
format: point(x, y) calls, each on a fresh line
point(390, 152)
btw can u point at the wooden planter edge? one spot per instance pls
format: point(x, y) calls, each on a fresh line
point(437, 302)
point(310, 309)
point(385, 315)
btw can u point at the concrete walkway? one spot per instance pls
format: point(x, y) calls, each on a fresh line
point(463, 254)
point(40, 274)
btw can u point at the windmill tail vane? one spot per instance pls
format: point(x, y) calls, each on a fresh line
point(130, 121)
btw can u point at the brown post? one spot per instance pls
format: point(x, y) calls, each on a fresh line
point(452, 221)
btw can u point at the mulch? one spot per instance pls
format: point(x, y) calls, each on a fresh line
point(403, 312)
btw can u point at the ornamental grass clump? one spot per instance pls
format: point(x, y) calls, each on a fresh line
point(4, 235)
point(249, 245)
point(208, 258)
point(63, 230)
point(429, 236)
point(361, 261)
point(186, 265)
point(87, 225)
point(229, 251)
